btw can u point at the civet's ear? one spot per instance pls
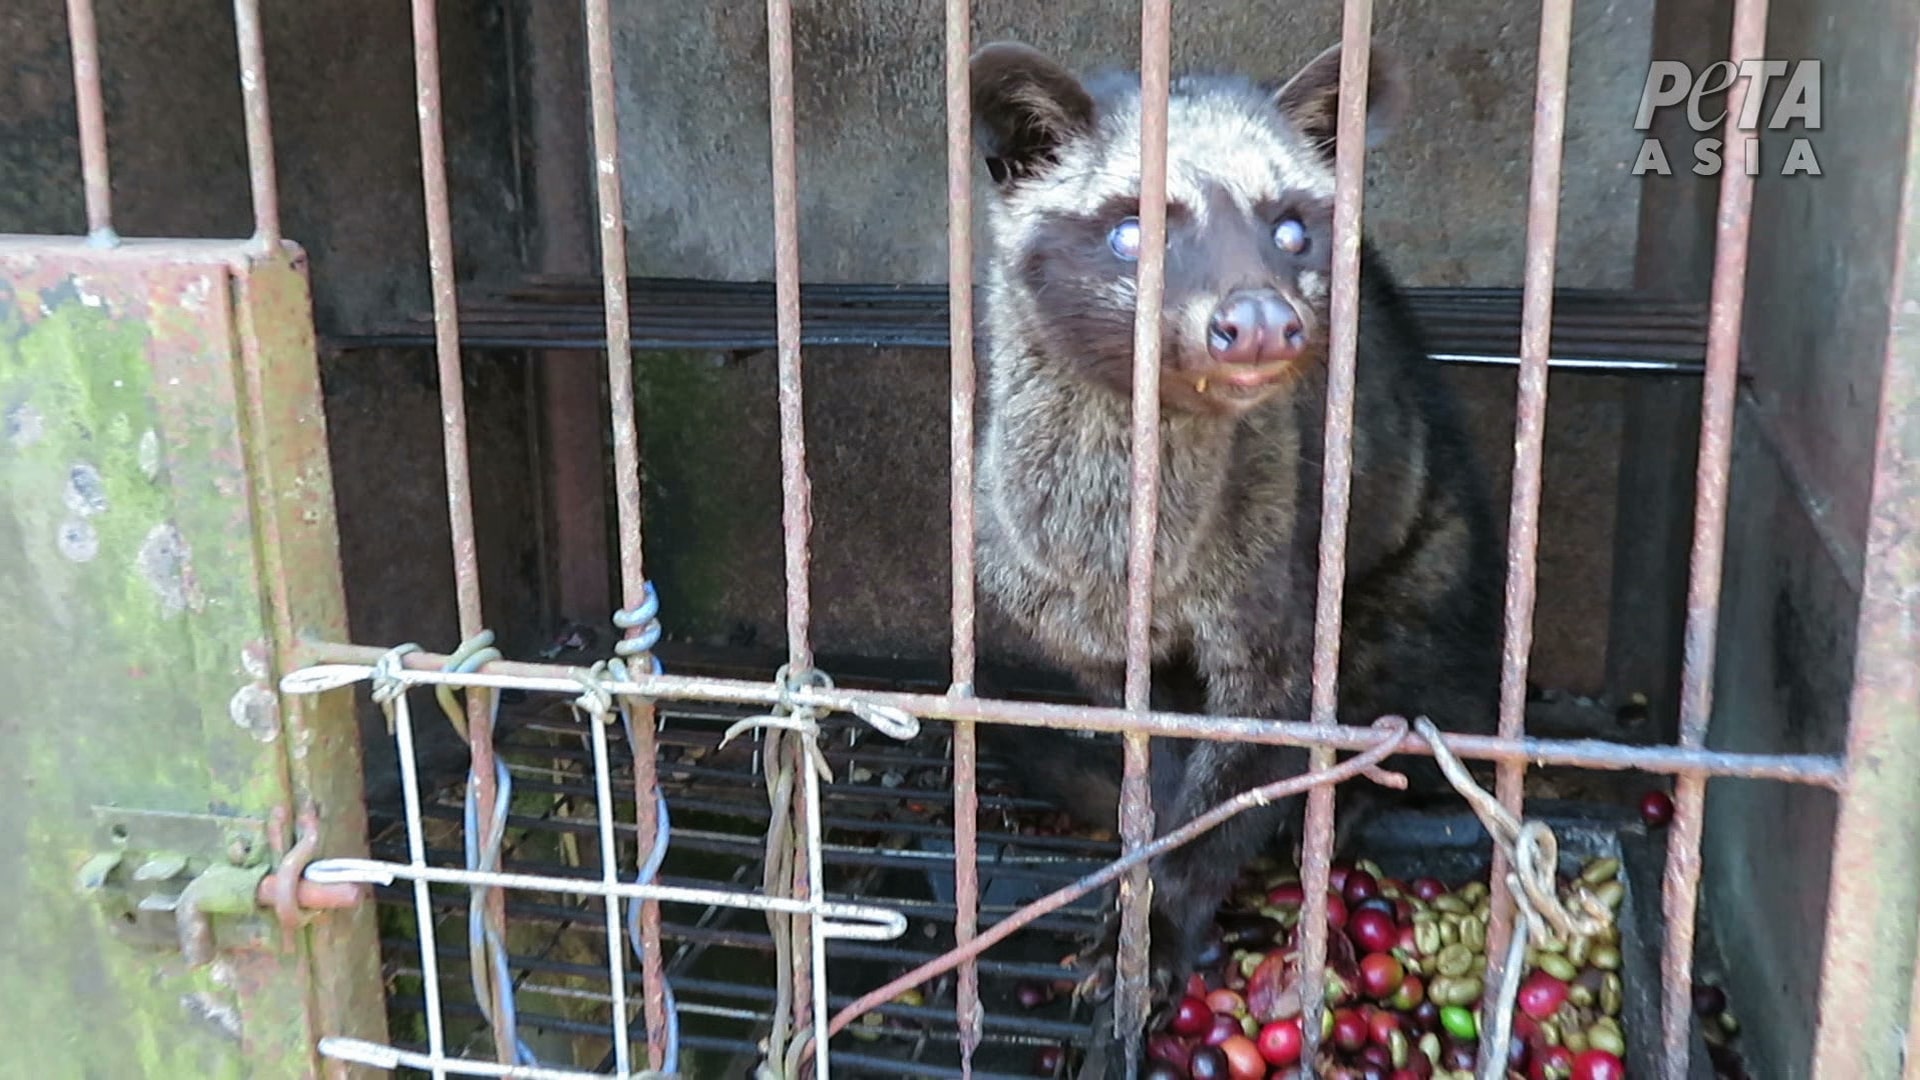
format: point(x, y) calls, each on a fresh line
point(1311, 99)
point(1025, 107)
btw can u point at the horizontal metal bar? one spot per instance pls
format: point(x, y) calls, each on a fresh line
point(865, 922)
point(1593, 331)
point(422, 668)
point(693, 994)
point(362, 1052)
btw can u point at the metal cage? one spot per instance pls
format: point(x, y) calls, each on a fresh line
point(789, 716)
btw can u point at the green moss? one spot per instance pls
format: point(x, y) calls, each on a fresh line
point(128, 590)
point(102, 689)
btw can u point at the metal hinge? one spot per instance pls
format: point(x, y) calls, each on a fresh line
point(162, 878)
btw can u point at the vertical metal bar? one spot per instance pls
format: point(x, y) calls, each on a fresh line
point(1682, 878)
point(422, 898)
point(626, 462)
point(1342, 350)
point(610, 874)
point(253, 96)
point(809, 997)
point(1536, 321)
point(1136, 799)
point(966, 808)
point(797, 512)
point(85, 35)
point(453, 429)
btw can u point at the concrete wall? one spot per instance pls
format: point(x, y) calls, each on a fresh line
point(1824, 258)
point(1447, 200)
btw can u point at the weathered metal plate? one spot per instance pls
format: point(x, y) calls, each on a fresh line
point(145, 604)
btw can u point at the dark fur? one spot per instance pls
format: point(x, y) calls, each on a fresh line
point(1237, 551)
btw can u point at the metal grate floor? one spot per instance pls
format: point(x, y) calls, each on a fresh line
point(887, 829)
point(887, 833)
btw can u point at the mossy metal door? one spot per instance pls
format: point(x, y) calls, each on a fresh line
point(167, 538)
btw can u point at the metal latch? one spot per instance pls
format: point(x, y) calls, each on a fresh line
point(161, 878)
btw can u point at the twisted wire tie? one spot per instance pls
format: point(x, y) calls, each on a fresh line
point(1533, 854)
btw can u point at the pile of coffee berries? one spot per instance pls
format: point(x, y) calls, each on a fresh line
point(1406, 970)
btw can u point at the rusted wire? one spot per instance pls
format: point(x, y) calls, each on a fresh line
point(84, 37)
point(1725, 303)
point(1530, 424)
point(1393, 730)
point(259, 119)
point(795, 767)
point(1316, 855)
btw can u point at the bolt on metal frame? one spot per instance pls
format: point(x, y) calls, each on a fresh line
point(337, 665)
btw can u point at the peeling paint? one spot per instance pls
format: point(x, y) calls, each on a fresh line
point(208, 1010)
point(253, 660)
point(86, 492)
point(174, 613)
point(25, 425)
point(256, 709)
point(194, 296)
point(149, 454)
point(78, 540)
point(163, 563)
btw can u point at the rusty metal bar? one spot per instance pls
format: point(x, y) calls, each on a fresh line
point(253, 96)
point(1725, 302)
point(966, 801)
point(90, 105)
point(808, 977)
point(1523, 534)
point(1818, 770)
point(453, 428)
point(1316, 856)
point(1136, 798)
point(797, 509)
point(626, 462)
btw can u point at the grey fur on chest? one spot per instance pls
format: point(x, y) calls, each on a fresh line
point(1054, 488)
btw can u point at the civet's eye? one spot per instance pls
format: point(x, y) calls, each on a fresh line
point(1290, 235)
point(1125, 239)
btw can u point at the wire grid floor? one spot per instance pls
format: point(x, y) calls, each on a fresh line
point(887, 834)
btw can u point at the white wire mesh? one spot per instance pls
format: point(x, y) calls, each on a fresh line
point(827, 919)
